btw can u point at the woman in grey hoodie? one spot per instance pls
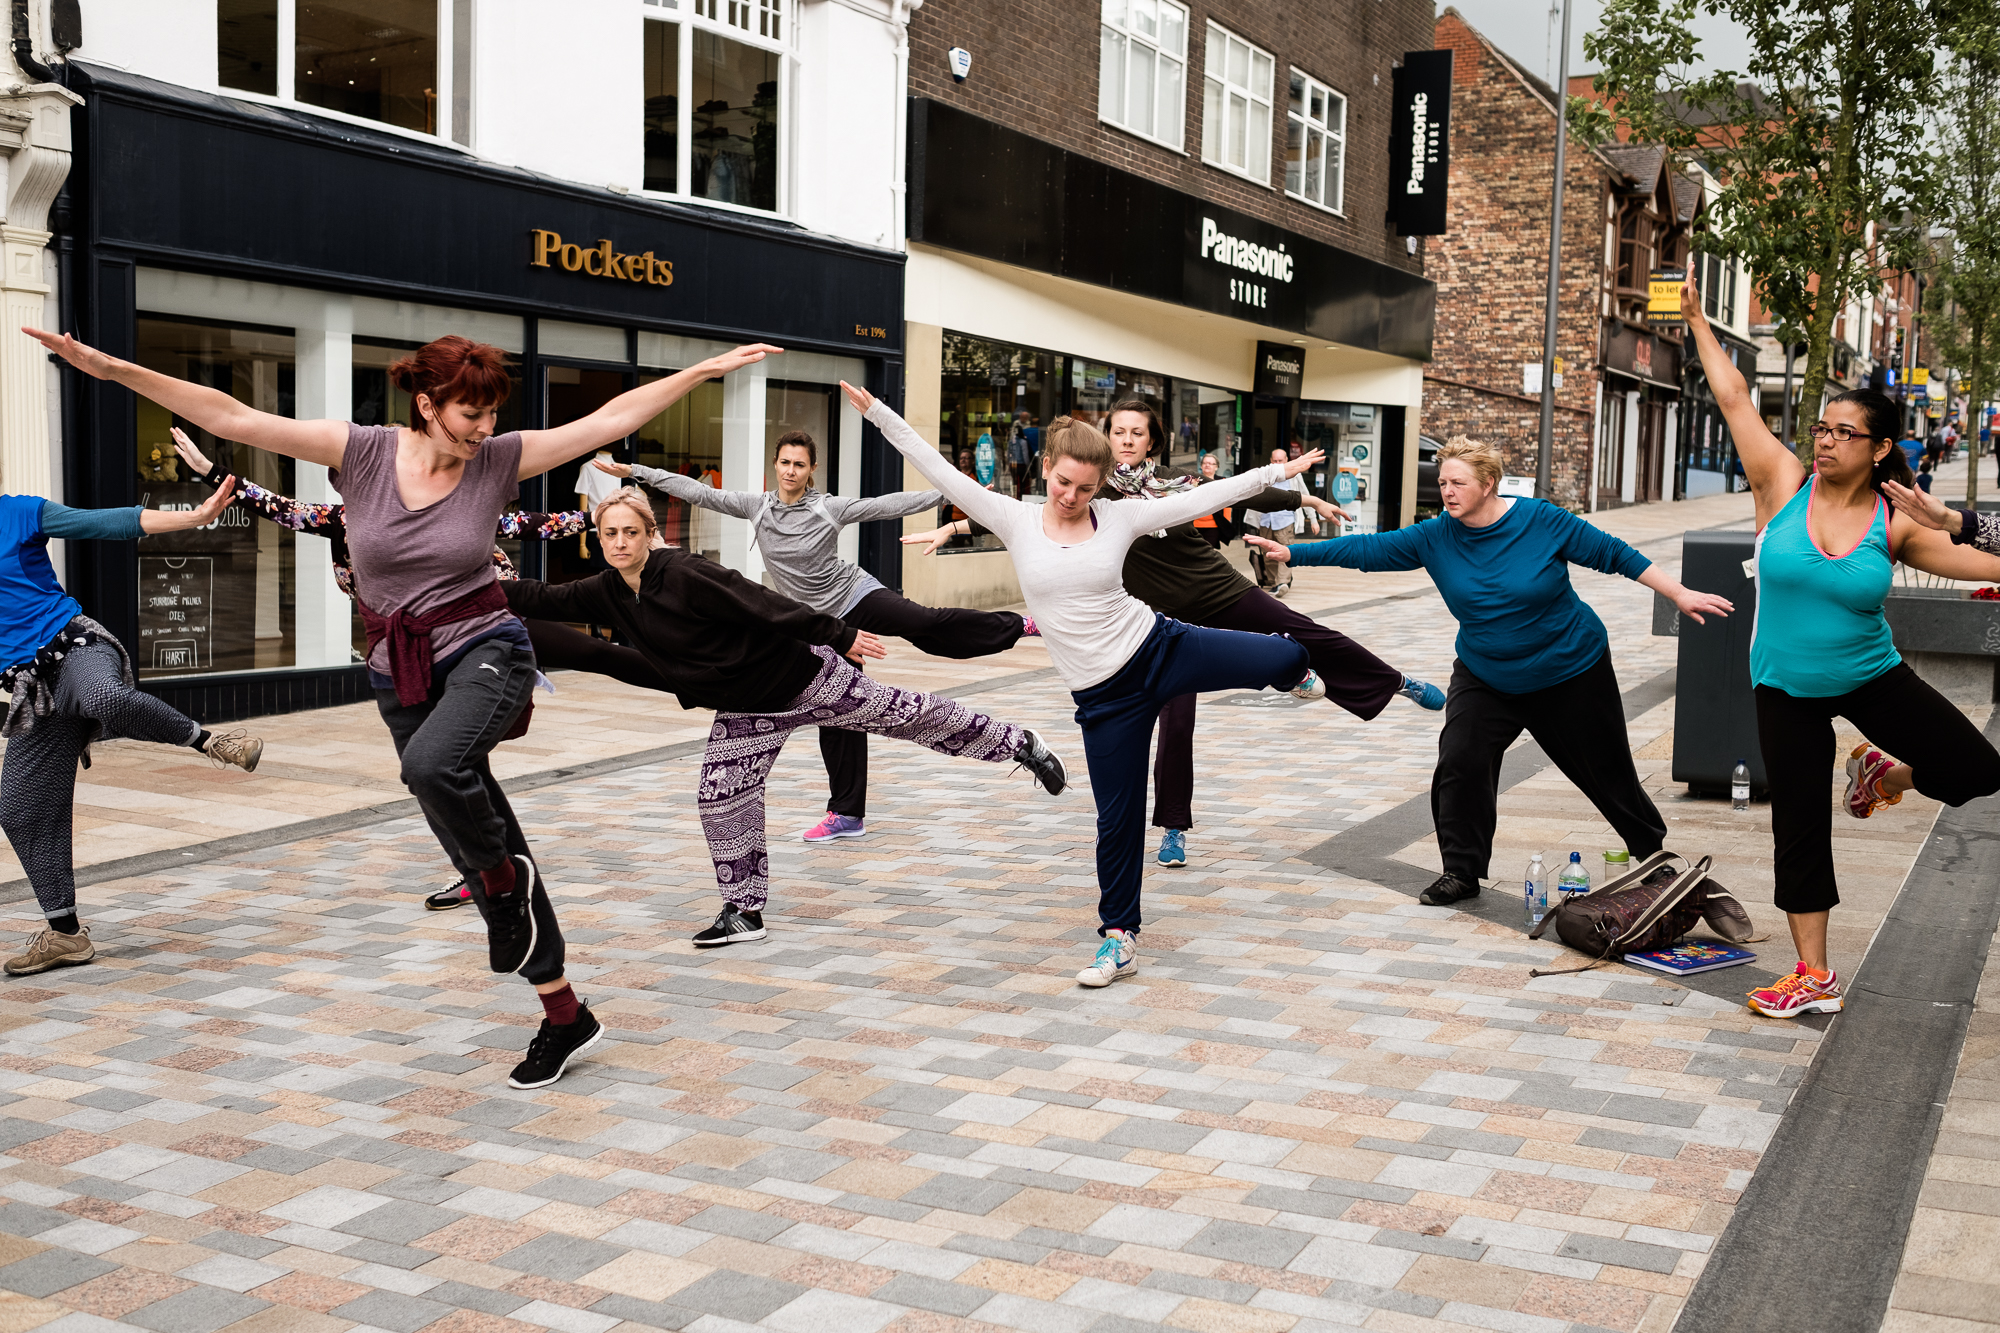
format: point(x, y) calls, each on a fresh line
point(798, 527)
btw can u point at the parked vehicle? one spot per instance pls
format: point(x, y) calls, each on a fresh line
point(1427, 474)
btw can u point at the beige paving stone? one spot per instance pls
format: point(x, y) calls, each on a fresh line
point(650, 1277)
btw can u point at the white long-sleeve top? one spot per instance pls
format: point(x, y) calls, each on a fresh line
point(1076, 594)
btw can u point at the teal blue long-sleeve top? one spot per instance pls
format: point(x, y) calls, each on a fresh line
point(1521, 626)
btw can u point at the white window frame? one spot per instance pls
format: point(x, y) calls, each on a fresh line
point(1214, 127)
point(748, 22)
point(1120, 30)
point(1334, 135)
point(288, 37)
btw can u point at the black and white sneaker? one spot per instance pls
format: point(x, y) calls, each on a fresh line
point(554, 1047)
point(733, 925)
point(510, 921)
point(1446, 890)
point(1035, 756)
point(455, 894)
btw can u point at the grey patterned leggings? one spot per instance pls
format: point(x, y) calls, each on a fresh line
point(742, 747)
point(38, 777)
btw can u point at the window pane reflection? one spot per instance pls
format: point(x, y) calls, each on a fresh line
point(734, 127)
point(371, 58)
point(663, 106)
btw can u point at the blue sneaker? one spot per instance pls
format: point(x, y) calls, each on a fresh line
point(1422, 693)
point(1116, 957)
point(1173, 847)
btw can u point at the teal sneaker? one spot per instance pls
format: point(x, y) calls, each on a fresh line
point(1422, 693)
point(1173, 847)
point(1116, 957)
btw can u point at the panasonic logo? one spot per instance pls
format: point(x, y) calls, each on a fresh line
point(1234, 252)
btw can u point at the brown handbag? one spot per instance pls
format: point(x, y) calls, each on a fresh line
point(1648, 907)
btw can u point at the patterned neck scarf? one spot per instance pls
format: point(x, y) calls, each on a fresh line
point(1143, 481)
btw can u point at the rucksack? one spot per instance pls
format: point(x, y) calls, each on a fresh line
point(1648, 907)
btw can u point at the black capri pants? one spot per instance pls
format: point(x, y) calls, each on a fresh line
point(1901, 716)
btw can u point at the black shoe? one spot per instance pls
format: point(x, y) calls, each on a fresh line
point(554, 1047)
point(456, 894)
point(733, 925)
point(1448, 889)
point(1037, 758)
point(510, 921)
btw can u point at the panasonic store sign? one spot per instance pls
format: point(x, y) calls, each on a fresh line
point(1420, 143)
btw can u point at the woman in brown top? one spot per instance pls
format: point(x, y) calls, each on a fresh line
point(1180, 575)
point(452, 667)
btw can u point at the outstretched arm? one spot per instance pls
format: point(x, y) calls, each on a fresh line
point(283, 510)
point(1773, 470)
point(1374, 552)
point(214, 411)
point(868, 509)
point(736, 504)
point(1213, 495)
point(997, 512)
point(1934, 553)
point(124, 524)
point(543, 449)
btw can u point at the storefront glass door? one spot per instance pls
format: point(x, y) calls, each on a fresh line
point(570, 393)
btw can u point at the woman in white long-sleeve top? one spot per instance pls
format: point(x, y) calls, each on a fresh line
point(1120, 659)
point(798, 530)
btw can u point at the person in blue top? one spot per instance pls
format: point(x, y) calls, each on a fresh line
point(71, 684)
point(1827, 546)
point(1531, 655)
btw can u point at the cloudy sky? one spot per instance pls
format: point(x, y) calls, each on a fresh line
point(1525, 31)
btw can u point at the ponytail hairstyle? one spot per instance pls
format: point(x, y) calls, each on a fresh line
point(1067, 437)
point(1154, 431)
point(633, 499)
point(1885, 422)
point(452, 369)
point(799, 439)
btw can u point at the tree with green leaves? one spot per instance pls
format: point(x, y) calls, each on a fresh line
point(1816, 143)
point(1963, 300)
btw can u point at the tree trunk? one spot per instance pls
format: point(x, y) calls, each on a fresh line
point(1974, 401)
point(1830, 293)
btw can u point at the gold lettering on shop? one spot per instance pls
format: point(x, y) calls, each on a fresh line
point(599, 261)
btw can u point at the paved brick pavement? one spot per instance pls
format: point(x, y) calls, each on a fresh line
point(277, 1101)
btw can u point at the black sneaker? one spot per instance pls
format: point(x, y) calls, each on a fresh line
point(1447, 889)
point(733, 925)
point(510, 921)
point(456, 894)
point(554, 1047)
point(1035, 756)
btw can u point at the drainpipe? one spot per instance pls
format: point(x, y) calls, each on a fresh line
point(24, 47)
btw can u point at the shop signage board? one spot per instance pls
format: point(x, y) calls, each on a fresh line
point(1663, 297)
point(984, 189)
point(1280, 371)
point(1420, 143)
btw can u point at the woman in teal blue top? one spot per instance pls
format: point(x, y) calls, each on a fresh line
point(69, 683)
point(1827, 545)
point(1531, 655)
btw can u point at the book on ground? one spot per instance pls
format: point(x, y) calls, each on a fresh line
point(1686, 959)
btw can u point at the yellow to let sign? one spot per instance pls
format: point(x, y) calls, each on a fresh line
point(1663, 296)
point(1920, 375)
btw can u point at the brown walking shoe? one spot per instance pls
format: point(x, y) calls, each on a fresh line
point(52, 948)
point(235, 747)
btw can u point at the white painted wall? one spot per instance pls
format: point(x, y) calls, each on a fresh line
point(848, 90)
point(169, 40)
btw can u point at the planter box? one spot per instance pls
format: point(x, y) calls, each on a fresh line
point(1950, 640)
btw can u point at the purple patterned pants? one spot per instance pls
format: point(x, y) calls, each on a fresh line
point(742, 747)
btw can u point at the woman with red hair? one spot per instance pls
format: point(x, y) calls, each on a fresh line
point(452, 667)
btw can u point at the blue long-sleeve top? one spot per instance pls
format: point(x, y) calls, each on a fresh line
point(33, 605)
point(1521, 626)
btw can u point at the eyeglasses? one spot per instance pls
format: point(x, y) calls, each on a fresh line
point(1840, 434)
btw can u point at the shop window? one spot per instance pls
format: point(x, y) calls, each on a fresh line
point(1315, 143)
point(1717, 277)
point(1142, 68)
point(223, 597)
point(1236, 106)
point(713, 103)
point(372, 60)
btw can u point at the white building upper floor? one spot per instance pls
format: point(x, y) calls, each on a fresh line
point(778, 108)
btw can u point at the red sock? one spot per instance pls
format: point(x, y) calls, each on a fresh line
point(499, 880)
point(560, 1005)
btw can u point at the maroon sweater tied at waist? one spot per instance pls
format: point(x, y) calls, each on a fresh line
point(409, 637)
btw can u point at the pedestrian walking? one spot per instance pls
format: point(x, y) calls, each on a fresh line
point(1275, 525)
point(1827, 545)
point(1531, 654)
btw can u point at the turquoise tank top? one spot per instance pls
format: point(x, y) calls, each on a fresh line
point(1820, 630)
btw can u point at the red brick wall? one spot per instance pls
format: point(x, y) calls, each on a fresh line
point(1491, 268)
point(1035, 67)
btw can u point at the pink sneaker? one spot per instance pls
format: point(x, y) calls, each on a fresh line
point(1028, 630)
point(1799, 993)
point(1865, 769)
point(834, 826)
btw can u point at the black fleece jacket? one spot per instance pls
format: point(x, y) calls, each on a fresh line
point(717, 639)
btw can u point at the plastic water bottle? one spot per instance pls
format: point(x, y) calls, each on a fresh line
point(1739, 788)
point(1537, 891)
point(1574, 881)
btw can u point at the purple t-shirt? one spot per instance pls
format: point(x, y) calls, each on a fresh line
point(418, 559)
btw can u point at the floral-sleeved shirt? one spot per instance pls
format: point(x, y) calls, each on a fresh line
point(1982, 533)
point(329, 521)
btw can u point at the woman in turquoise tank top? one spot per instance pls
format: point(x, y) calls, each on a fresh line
point(1827, 546)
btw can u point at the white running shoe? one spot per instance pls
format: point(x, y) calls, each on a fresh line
point(1310, 686)
point(1116, 957)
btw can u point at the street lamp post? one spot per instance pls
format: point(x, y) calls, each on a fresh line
point(1546, 445)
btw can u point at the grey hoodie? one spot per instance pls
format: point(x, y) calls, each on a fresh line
point(800, 541)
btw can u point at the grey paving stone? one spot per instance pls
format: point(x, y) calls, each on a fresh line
point(1472, 1140)
point(912, 1097)
point(962, 1194)
point(1617, 1141)
point(1072, 1241)
point(1445, 1245)
point(1159, 1135)
point(572, 1189)
point(51, 1271)
point(1436, 1152)
point(285, 1161)
point(1229, 1293)
point(564, 1258)
point(393, 1310)
point(1651, 1110)
point(995, 1248)
point(399, 1222)
point(237, 1243)
point(1624, 1253)
point(1588, 1101)
point(113, 1099)
point(388, 1253)
point(14, 1133)
point(27, 1219)
point(739, 1296)
point(943, 1145)
point(499, 1112)
point(1270, 1247)
point(198, 1310)
point(646, 1314)
point(928, 1293)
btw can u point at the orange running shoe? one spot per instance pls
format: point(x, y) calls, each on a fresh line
point(1865, 770)
point(1799, 993)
